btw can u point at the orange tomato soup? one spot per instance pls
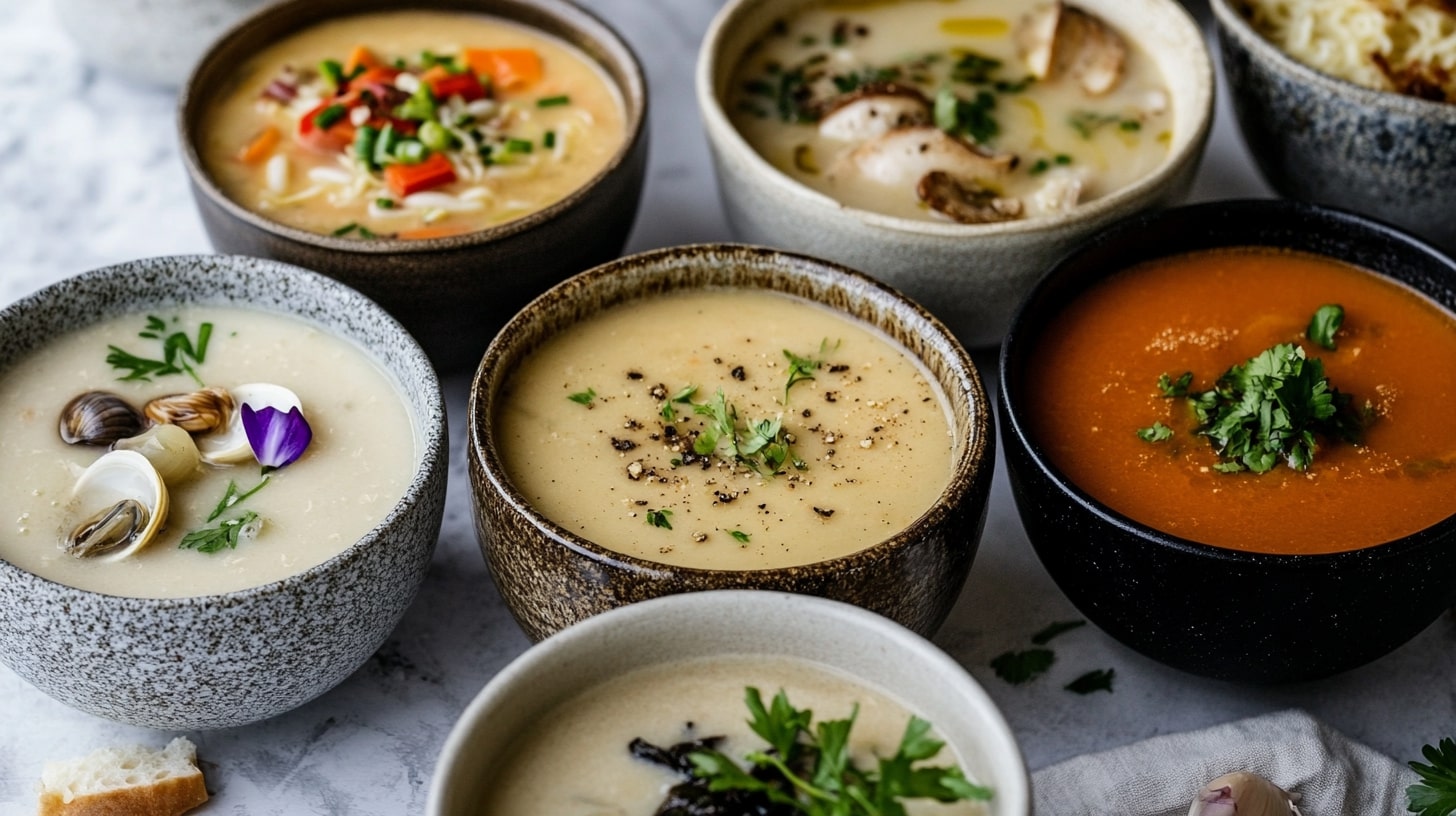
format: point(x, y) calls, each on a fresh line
point(1095, 383)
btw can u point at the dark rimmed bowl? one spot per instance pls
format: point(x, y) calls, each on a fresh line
point(1221, 613)
point(1325, 140)
point(551, 578)
point(451, 293)
point(227, 659)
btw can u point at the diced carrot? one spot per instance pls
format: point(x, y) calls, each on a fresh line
point(405, 179)
point(422, 233)
point(466, 86)
point(260, 147)
point(335, 138)
point(378, 75)
point(508, 68)
point(361, 57)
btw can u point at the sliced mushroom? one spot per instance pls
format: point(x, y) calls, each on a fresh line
point(1057, 39)
point(903, 156)
point(873, 110)
point(965, 200)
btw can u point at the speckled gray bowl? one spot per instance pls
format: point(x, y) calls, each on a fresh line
point(451, 293)
point(214, 661)
point(551, 578)
point(845, 639)
point(969, 275)
point(1325, 140)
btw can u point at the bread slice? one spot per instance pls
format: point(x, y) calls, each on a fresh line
point(128, 781)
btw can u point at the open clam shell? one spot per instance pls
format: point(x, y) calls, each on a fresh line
point(229, 445)
point(121, 504)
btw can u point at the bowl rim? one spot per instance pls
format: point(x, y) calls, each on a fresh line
point(192, 99)
point(1021, 336)
point(724, 136)
point(433, 444)
point(582, 633)
point(1232, 23)
point(974, 456)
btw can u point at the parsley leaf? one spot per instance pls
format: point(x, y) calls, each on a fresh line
point(583, 397)
point(1095, 680)
point(177, 350)
point(1326, 321)
point(1175, 388)
point(224, 536)
point(739, 536)
point(971, 118)
point(660, 518)
point(1435, 794)
point(1045, 636)
point(1019, 667)
point(1157, 432)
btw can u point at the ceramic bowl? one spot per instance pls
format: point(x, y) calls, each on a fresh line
point(1217, 612)
point(969, 275)
point(1321, 139)
point(452, 293)
point(228, 659)
point(854, 643)
point(551, 577)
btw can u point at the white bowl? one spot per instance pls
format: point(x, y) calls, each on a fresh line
point(872, 649)
point(971, 276)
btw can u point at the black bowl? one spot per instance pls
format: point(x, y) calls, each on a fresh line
point(1216, 612)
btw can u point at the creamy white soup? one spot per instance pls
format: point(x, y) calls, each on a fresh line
point(972, 111)
point(725, 429)
point(411, 124)
point(575, 761)
point(362, 455)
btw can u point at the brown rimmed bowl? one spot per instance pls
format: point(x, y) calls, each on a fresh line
point(451, 293)
point(551, 578)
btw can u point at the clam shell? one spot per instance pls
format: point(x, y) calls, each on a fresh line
point(99, 418)
point(111, 481)
point(229, 445)
point(198, 412)
point(169, 448)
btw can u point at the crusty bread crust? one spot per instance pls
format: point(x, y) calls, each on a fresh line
point(166, 798)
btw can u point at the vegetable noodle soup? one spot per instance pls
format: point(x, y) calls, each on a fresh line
point(411, 124)
point(1301, 449)
point(972, 111)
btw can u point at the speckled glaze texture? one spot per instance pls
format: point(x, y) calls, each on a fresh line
point(451, 293)
point(864, 646)
point(551, 578)
point(970, 276)
point(1321, 139)
point(1231, 615)
point(223, 660)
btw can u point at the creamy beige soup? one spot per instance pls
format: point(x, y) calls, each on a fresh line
point(361, 459)
point(603, 430)
point(863, 101)
point(575, 761)
point(515, 120)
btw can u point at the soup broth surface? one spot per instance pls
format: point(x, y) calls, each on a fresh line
point(575, 760)
point(363, 454)
point(1096, 385)
point(584, 432)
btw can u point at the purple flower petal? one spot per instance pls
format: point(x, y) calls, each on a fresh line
point(277, 439)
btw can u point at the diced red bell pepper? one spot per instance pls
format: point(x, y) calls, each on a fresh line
point(466, 86)
point(406, 179)
point(335, 138)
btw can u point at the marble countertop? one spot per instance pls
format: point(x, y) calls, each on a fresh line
point(89, 176)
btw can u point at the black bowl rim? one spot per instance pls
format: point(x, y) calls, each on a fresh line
point(1021, 336)
point(592, 27)
point(970, 467)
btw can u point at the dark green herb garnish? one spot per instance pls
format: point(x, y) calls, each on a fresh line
point(1087, 123)
point(1435, 794)
point(971, 118)
point(739, 536)
point(548, 140)
point(762, 446)
point(1019, 667)
point(346, 229)
point(683, 396)
point(854, 80)
point(1157, 432)
point(553, 101)
point(1045, 636)
point(1175, 388)
point(1326, 321)
point(224, 536)
point(1095, 680)
point(330, 116)
point(583, 397)
point(808, 767)
point(232, 496)
point(975, 69)
point(177, 350)
point(803, 368)
point(660, 518)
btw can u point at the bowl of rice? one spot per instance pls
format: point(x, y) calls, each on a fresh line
point(1349, 103)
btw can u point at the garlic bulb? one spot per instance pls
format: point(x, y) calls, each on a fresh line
point(1244, 794)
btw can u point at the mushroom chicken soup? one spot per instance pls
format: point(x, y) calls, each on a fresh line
point(725, 429)
point(595, 735)
point(411, 125)
point(1199, 394)
point(230, 488)
point(974, 111)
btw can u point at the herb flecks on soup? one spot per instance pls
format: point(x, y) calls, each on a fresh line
point(725, 429)
point(974, 111)
point(412, 125)
point(1112, 359)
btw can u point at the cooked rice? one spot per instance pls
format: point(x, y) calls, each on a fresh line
point(1407, 46)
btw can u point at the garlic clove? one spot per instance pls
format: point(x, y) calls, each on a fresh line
point(1243, 794)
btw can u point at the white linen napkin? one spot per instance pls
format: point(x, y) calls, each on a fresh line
point(1335, 775)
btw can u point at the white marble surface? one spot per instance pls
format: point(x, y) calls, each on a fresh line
point(89, 175)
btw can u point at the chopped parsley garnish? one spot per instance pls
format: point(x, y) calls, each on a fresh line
point(803, 368)
point(762, 446)
point(1095, 680)
point(232, 496)
point(684, 396)
point(739, 536)
point(1045, 636)
point(330, 116)
point(1435, 794)
point(553, 101)
point(214, 539)
point(975, 69)
point(1175, 388)
point(583, 397)
point(971, 118)
point(548, 141)
point(177, 350)
point(1326, 321)
point(1157, 432)
point(1087, 123)
point(1019, 667)
point(660, 518)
